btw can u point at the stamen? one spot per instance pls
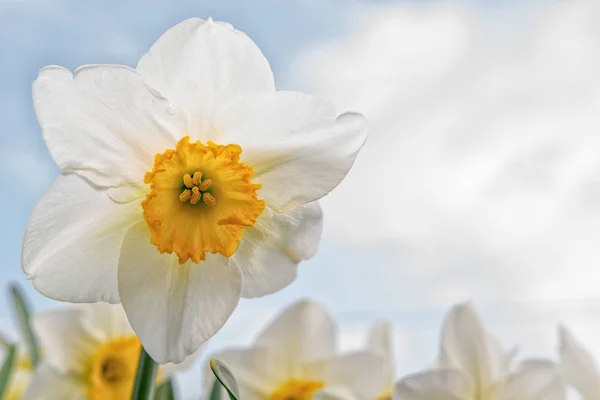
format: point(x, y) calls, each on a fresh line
point(208, 199)
point(196, 195)
point(197, 177)
point(185, 195)
point(205, 185)
point(187, 181)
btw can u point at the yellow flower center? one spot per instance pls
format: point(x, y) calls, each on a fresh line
point(201, 199)
point(112, 369)
point(385, 396)
point(296, 389)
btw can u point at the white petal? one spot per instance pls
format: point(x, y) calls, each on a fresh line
point(297, 147)
point(204, 66)
point(302, 333)
point(534, 380)
point(49, 384)
point(362, 373)
point(269, 252)
point(172, 368)
point(258, 371)
point(466, 346)
point(103, 122)
point(72, 242)
point(578, 366)
point(67, 343)
point(107, 321)
point(434, 385)
point(271, 118)
point(380, 342)
point(174, 308)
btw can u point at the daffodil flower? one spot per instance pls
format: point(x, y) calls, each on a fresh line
point(186, 183)
point(578, 366)
point(91, 354)
point(295, 358)
point(472, 366)
point(380, 343)
point(21, 376)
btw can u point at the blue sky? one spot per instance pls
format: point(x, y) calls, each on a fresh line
point(427, 85)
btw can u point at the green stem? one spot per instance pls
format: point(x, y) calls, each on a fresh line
point(145, 378)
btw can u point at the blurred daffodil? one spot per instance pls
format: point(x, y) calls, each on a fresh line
point(578, 366)
point(380, 343)
point(21, 376)
point(472, 366)
point(186, 183)
point(295, 358)
point(91, 353)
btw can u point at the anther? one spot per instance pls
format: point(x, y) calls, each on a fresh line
point(196, 195)
point(197, 177)
point(208, 199)
point(185, 195)
point(187, 181)
point(205, 185)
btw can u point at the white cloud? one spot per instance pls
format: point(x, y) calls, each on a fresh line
point(483, 164)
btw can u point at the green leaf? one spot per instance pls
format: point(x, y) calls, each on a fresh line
point(226, 378)
point(145, 378)
point(165, 391)
point(215, 393)
point(6, 370)
point(22, 312)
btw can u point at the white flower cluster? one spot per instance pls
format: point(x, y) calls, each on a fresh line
point(299, 346)
point(90, 352)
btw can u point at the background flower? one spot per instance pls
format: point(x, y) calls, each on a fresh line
point(91, 352)
point(473, 366)
point(296, 357)
point(21, 377)
point(578, 366)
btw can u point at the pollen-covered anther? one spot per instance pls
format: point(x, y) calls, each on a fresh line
point(208, 199)
point(205, 185)
point(195, 188)
point(197, 178)
point(188, 181)
point(185, 195)
point(196, 195)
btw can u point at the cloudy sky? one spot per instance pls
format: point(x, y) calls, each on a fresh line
point(482, 168)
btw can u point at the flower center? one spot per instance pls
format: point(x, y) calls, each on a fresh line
point(296, 389)
point(201, 199)
point(385, 396)
point(112, 369)
point(196, 189)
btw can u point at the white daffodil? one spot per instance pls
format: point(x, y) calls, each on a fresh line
point(91, 352)
point(380, 342)
point(578, 366)
point(186, 183)
point(21, 376)
point(472, 366)
point(295, 358)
